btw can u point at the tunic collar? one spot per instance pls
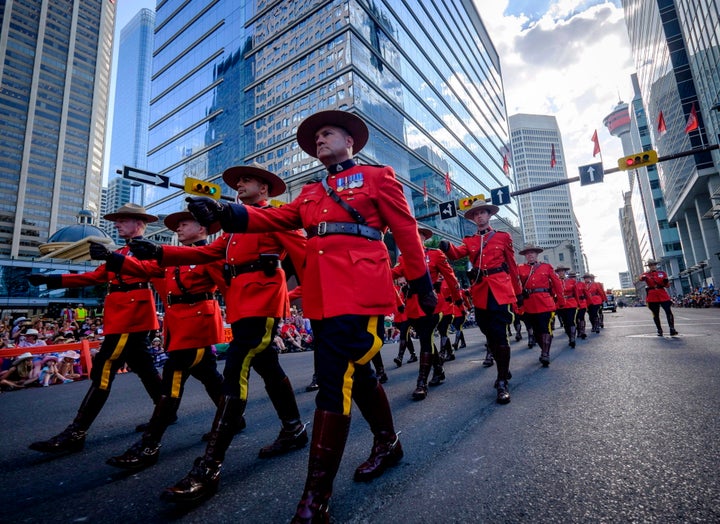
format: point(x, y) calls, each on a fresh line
point(342, 166)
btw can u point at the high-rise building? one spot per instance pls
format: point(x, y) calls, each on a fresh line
point(132, 93)
point(54, 76)
point(547, 216)
point(231, 82)
point(675, 45)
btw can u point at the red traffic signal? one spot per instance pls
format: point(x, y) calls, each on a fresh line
point(644, 159)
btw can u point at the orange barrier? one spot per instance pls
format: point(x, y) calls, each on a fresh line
point(228, 334)
point(83, 347)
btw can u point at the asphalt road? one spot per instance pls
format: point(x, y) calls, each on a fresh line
point(624, 428)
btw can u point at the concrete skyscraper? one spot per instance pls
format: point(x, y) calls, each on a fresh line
point(547, 216)
point(54, 76)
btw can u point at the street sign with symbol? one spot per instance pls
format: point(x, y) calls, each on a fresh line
point(447, 209)
point(146, 177)
point(591, 174)
point(500, 196)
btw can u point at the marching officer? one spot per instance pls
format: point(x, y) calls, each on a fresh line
point(425, 324)
point(541, 288)
point(495, 286)
point(595, 295)
point(347, 289)
point(403, 323)
point(582, 305)
point(193, 323)
point(129, 318)
point(256, 300)
point(571, 294)
point(459, 316)
point(657, 282)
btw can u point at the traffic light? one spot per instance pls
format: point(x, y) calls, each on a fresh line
point(644, 159)
point(202, 188)
point(465, 203)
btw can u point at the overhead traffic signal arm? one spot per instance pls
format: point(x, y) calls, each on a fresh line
point(636, 160)
point(198, 187)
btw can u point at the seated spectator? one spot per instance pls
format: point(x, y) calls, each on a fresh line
point(21, 373)
point(49, 372)
point(67, 366)
point(30, 339)
point(291, 336)
point(279, 344)
point(158, 352)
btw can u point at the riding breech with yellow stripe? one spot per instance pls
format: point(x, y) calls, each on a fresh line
point(201, 363)
point(251, 347)
point(344, 346)
point(131, 348)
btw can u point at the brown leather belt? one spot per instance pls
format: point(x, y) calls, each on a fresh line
point(189, 298)
point(343, 228)
point(128, 287)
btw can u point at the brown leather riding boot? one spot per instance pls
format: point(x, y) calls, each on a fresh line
point(329, 434)
point(72, 438)
point(203, 479)
point(502, 358)
point(146, 451)
point(422, 387)
point(292, 434)
point(545, 341)
point(572, 336)
point(387, 450)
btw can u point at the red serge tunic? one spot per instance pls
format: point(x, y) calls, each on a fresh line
point(186, 326)
point(657, 282)
point(437, 264)
point(571, 292)
point(581, 293)
point(345, 274)
point(543, 285)
point(125, 311)
point(595, 293)
point(505, 285)
point(251, 294)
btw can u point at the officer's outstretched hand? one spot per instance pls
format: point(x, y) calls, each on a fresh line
point(98, 251)
point(36, 279)
point(444, 246)
point(428, 302)
point(145, 249)
point(423, 288)
point(206, 210)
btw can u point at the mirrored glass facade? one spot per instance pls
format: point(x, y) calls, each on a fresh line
point(232, 80)
point(54, 77)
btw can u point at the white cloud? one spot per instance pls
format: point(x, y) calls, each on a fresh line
point(574, 63)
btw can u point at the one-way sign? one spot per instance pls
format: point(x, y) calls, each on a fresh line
point(447, 209)
point(146, 177)
point(591, 174)
point(500, 196)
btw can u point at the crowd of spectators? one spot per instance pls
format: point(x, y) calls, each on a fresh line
point(39, 365)
point(294, 333)
point(699, 298)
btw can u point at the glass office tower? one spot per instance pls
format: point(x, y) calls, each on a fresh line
point(233, 79)
point(54, 77)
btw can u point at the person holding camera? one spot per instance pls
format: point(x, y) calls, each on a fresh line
point(256, 300)
point(495, 286)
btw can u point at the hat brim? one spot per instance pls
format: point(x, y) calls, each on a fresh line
point(425, 232)
point(173, 220)
point(532, 250)
point(490, 208)
point(588, 275)
point(652, 263)
point(276, 186)
point(139, 216)
point(562, 268)
point(350, 122)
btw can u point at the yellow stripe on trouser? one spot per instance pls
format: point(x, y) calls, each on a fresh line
point(107, 368)
point(178, 374)
point(350, 371)
point(247, 361)
point(550, 322)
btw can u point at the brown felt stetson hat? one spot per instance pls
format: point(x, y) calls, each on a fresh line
point(479, 205)
point(588, 275)
point(173, 219)
point(652, 262)
point(276, 186)
point(561, 268)
point(425, 232)
point(131, 210)
point(351, 123)
point(531, 248)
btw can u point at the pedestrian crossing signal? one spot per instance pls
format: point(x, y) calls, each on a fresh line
point(202, 188)
point(466, 203)
point(644, 159)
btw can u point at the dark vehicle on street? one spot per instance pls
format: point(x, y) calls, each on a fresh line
point(609, 304)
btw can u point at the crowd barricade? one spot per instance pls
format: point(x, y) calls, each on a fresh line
point(83, 347)
point(228, 335)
